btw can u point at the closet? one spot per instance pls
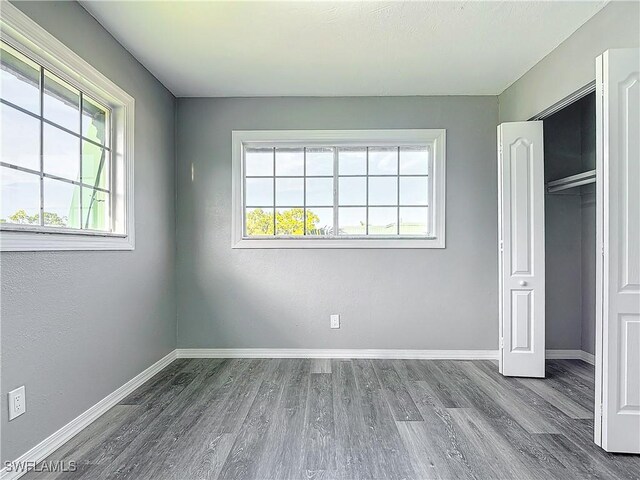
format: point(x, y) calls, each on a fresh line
point(570, 226)
point(569, 262)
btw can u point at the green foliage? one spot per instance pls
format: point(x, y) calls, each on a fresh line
point(21, 217)
point(259, 222)
point(289, 222)
point(50, 219)
point(53, 220)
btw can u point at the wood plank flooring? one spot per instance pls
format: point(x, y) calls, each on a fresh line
point(347, 419)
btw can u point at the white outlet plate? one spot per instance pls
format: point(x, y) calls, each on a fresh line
point(17, 402)
point(335, 321)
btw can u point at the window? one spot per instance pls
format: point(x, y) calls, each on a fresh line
point(339, 189)
point(55, 166)
point(66, 159)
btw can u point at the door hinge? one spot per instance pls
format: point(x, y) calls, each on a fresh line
point(501, 343)
point(602, 250)
point(600, 410)
point(501, 245)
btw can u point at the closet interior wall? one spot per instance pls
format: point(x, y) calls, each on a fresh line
point(570, 234)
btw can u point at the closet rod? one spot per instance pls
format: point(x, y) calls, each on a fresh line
point(572, 181)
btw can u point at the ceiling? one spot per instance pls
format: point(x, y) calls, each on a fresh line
point(239, 48)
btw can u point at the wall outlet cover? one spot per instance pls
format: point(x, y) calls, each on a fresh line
point(335, 321)
point(17, 402)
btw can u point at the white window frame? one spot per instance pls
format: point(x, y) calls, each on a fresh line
point(26, 36)
point(435, 138)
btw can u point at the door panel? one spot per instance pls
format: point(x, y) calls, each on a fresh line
point(629, 383)
point(521, 241)
point(521, 320)
point(618, 224)
point(521, 237)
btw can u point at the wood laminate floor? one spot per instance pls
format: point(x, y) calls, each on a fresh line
point(348, 419)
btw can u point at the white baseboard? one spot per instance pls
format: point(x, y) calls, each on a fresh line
point(336, 353)
point(57, 439)
point(571, 355)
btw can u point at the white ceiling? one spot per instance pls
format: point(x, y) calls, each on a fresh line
point(232, 48)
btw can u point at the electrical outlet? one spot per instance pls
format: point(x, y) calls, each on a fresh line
point(17, 402)
point(335, 321)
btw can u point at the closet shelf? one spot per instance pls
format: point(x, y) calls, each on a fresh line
point(572, 181)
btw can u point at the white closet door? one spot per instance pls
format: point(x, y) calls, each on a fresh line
point(618, 329)
point(521, 239)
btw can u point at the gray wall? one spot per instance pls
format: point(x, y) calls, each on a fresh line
point(407, 299)
point(572, 64)
point(563, 259)
point(78, 325)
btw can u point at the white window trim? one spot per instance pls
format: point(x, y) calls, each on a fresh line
point(289, 138)
point(21, 32)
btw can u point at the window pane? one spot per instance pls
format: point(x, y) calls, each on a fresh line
point(61, 153)
point(20, 138)
point(259, 162)
point(61, 204)
point(352, 161)
point(414, 161)
point(61, 102)
point(289, 192)
point(413, 190)
point(383, 161)
point(319, 221)
point(95, 209)
point(319, 191)
point(352, 190)
point(383, 221)
point(413, 221)
point(259, 192)
point(95, 165)
point(20, 197)
point(320, 161)
point(258, 221)
point(289, 161)
point(290, 221)
point(383, 191)
point(94, 121)
point(20, 80)
point(352, 221)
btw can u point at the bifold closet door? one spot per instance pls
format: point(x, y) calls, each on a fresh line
point(618, 265)
point(521, 249)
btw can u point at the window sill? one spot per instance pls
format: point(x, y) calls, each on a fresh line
point(31, 241)
point(346, 243)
